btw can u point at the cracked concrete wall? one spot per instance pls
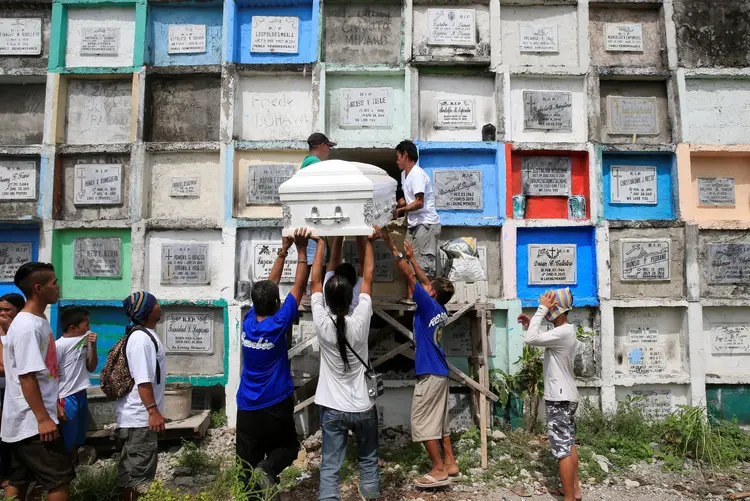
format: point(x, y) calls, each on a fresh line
point(184, 108)
point(98, 111)
point(720, 291)
point(716, 111)
point(362, 33)
point(22, 113)
point(654, 40)
point(636, 88)
point(73, 212)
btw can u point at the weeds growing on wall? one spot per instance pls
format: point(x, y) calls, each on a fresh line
point(96, 483)
point(195, 458)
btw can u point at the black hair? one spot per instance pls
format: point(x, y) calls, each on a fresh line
point(14, 299)
point(347, 271)
point(409, 148)
point(29, 275)
point(265, 296)
point(444, 290)
point(72, 317)
point(339, 293)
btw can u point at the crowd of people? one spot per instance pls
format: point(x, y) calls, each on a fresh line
point(45, 408)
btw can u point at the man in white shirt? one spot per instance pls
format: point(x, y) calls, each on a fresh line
point(560, 392)
point(139, 413)
point(29, 422)
point(418, 205)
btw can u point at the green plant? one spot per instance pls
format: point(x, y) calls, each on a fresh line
point(219, 418)
point(96, 483)
point(583, 334)
point(194, 458)
point(239, 482)
point(530, 381)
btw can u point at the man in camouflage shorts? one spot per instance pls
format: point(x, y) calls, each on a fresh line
point(560, 392)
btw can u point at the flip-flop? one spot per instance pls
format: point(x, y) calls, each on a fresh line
point(560, 492)
point(433, 483)
point(454, 475)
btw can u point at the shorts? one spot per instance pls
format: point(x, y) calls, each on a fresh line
point(45, 462)
point(77, 414)
point(140, 454)
point(429, 408)
point(561, 427)
point(424, 238)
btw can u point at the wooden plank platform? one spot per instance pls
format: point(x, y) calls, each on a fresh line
point(194, 427)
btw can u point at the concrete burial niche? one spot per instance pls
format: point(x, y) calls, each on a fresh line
point(19, 187)
point(647, 263)
point(489, 245)
point(275, 32)
point(656, 401)
point(651, 342)
point(540, 35)
point(184, 35)
point(554, 258)
point(631, 108)
point(366, 109)
point(93, 264)
point(624, 36)
point(451, 32)
point(25, 39)
point(455, 107)
point(639, 186)
point(193, 337)
point(185, 265)
point(22, 112)
point(188, 185)
point(94, 187)
point(363, 33)
point(273, 107)
point(102, 37)
point(714, 187)
point(97, 111)
point(711, 34)
point(728, 402)
point(258, 175)
point(551, 184)
point(183, 108)
point(724, 269)
point(19, 244)
point(714, 111)
point(551, 109)
point(726, 333)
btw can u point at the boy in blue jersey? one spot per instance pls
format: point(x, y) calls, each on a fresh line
point(266, 435)
point(429, 409)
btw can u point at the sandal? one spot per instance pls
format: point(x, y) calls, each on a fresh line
point(432, 483)
point(560, 492)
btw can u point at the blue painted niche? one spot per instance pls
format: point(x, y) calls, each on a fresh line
point(238, 16)
point(19, 234)
point(160, 17)
point(666, 168)
point(585, 290)
point(489, 158)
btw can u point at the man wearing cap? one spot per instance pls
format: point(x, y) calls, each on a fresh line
point(320, 146)
point(560, 392)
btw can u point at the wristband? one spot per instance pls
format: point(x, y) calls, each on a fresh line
point(151, 406)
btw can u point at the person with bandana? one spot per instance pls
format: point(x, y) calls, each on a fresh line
point(139, 413)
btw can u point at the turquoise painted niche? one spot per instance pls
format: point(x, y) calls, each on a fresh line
point(183, 35)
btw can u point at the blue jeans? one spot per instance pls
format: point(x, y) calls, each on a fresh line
point(336, 426)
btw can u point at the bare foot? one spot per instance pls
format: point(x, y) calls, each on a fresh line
point(452, 469)
point(438, 474)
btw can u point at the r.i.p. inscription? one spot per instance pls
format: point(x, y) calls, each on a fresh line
point(458, 189)
point(185, 264)
point(547, 110)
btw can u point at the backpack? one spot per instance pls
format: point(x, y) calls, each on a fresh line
point(115, 379)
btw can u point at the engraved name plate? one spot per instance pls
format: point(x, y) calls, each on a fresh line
point(275, 34)
point(655, 405)
point(458, 189)
point(639, 334)
point(647, 359)
point(451, 27)
point(100, 41)
point(20, 36)
point(263, 183)
point(12, 256)
point(730, 339)
point(454, 114)
point(186, 38)
point(645, 260)
point(536, 38)
point(185, 264)
point(368, 107)
point(264, 254)
point(18, 180)
point(185, 187)
point(547, 110)
point(632, 184)
point(189, 333)
point(97, 184)
point(552, 264)
point(620, 37)
point(716, 191)
point(97, 257)
point(728, 264)
point(546, 176)
point(383, 259)
point(632, 115)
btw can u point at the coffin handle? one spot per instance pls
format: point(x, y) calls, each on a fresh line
point(337, 218)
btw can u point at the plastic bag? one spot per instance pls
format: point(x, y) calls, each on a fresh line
point(466, 269)
point(458, 246)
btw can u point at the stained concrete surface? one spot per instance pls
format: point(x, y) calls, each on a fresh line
point(71, 211)
point(28, 63)
point(196, 364)
point(711, 33)
point(636, 88)
point(724, 291)
point(654, 48)
point(362, 33)
point(183, 108)
point(98, 111)
point(16, 209)
point(22, 113)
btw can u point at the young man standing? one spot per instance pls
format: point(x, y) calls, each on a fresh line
point(266, 434)
point(418, 205)
point(139, 413)
point(560, 391)
point(429, 408)
point(29, 422)
point(76, 358)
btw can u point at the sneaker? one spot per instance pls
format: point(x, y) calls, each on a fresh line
point(266, 483)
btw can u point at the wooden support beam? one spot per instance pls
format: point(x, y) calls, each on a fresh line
point(459, 313)
point(299, 348)
point(484, 381)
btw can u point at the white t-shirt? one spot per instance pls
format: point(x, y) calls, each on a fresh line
point(355, 291)
point(343, 391)
point(419, 182)
point(142, 359)
point(72, 355)
point(28, 348)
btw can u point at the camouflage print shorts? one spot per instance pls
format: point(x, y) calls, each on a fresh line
point(561, 427)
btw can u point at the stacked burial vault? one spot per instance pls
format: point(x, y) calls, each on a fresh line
point(602, 146)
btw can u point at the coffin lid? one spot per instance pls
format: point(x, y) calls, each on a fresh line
point(337, 176)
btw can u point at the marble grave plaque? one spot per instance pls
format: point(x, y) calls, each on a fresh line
point(538, 38)
point(20, 36)
point(384, 265)
point(716, 192)
point(366, 107)
point(12, 256)
point(97, 184)
point(100, 41)
point(190, 333)
point(263, 182)
point(655, 405)
point(18, 180)
point(546, 176)
point(647, 359)
point(645, 260)
point(185, 264)
point(632, 115)
point(451, 27)
point(185, 187)
point(454, 114)
point(264, 255)
point(552, 264)
point(730, 339)
point(631, 184)
point(458, 189)
point(728, 264)
point(186, 38)
point(275, 34)
point(623, 37)
point(547, 110)
point(459, 411)
point(457, 338)
point(97, 257)
point(638, 334)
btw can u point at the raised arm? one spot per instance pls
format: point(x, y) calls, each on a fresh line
point(368, 265)
point(317, 266)
point(420, 275)
point(278, 265)
point(337, 251)
point(301, 236)
point(401, 263)
point(534, 336)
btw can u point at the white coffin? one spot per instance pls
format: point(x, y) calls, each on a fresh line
point(338, 198)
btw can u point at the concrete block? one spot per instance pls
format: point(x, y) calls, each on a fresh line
point(163, 16)
point(716, 290)
point(22, 64)
point(563, 17)
point(195, 364)
point(76, 212)
point(22, 113)
point(242, 161)
point(14, 203)
point(635, 88)
point(650, 341)
point(82, 44)
point(654, 54)
point(656, 401)
point(363, 33)
point(98, 111)
point(716, 111)
point(183, 108)
point(423, 51)
point(717, 166)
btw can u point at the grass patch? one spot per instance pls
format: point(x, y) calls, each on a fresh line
point(195, 458)
point(96, 483)
point(219, 418)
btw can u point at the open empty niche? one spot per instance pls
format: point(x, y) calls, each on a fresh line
point(22, 113)
point(98, 111)
point(183, 108)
